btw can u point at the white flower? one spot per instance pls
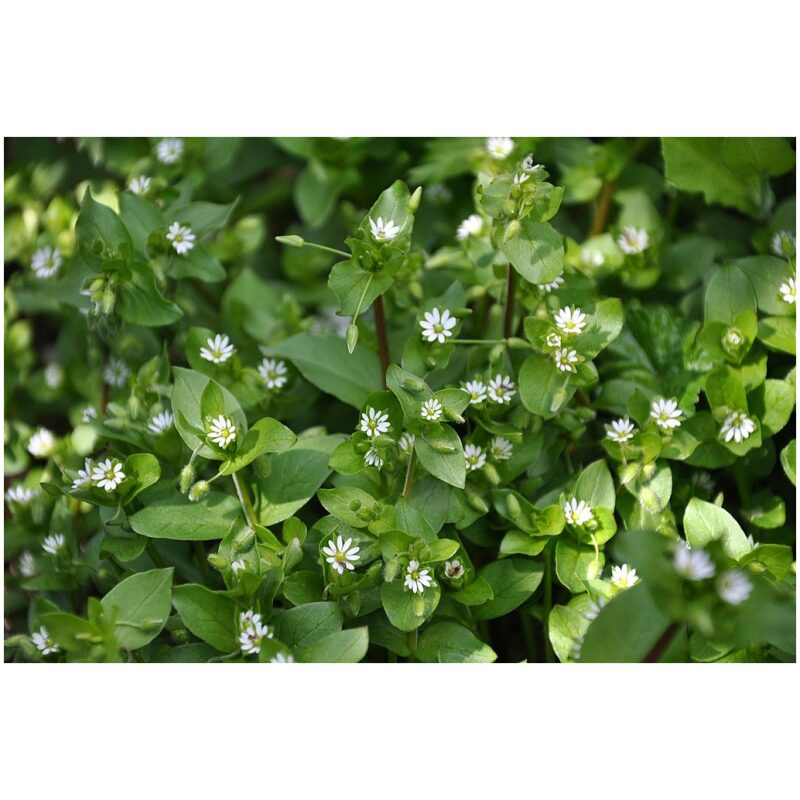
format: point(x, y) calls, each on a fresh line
point(42, 443)
point(552, 339)
point(181, 237)
point(595, 607)
point(592, 258)
point(238, 565)
point(477, 391)
point(528, 165)
point(250, 638)
point(431, 410)
point(372, 459)
point(417, 579)
point(501, 389)
point(570, 320)
point(88, 414)
point(737, 426)
point(453, 569)
point(500, 449)
point(621, 430)
point(20, 495)
point(218, 350)
point(108, 474)
point(383, 231)
point(474, 456)
point(633, 240)
point(53, 543)
point(751, 541)
point(53, 375)
point(46, 262)
point(554, 284)
point(221, 431)
point(666, 413)
point(140, 185)
point(84, 475)
point(788, 291)
point(732, 340)
point(282, 658)
point(783, 244)
point(734, 587)
point(406, 443)
point(340, 555)
point(694, 565)
point(374, 423)
point(437, 327)
point(520, 178)
point(565, 359)
point(168, 151)
point(116, 372)
point(27, 565)
point(44, 644)
point(249, 617)
point(499, 147)
point(471, 226)
point(577, 513)
point(161, 422)
point(273, 373)
point(624, 577)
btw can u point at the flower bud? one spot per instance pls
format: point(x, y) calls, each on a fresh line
point(594, 569)
point(413, 201)
point(108, 300)
point(198, 491)
point(512, 230)
point(477, 503)
point(629, 473)
point(476, 292)
point(648, 470)
point(390, 571)
point(512, 506)
point(292, 240)
point(453, 417)
point(217, 561)
point(352, 337)
point(491, 474)
point(443, 447)
point(516, 343)
point(355, 505)
point(413, 384)
point(187, 476)
point(416, 290)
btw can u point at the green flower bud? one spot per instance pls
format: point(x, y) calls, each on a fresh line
point(413, 384)
point(594, 569)
point(382, 441)
point(491, 474)
point(352, 337)
point(476, 292)
point(413, 201)
point(181, 636)
point(198, 491)
point(187, 477)
point(390, 571)
point(355, 505)
point(629, 473)
point(512, 230)
point(443, 447)
point(217, 561)
point(477, 503)
point(416, 290)
point(648, 470)
point(512, 506)
point(518, 344)
point(292, 240)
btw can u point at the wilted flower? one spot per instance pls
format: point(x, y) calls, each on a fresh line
point(666, 413)
point(168, 151)
point(374, 423)
point(552, 339)
point(383, 231)
point(431, 410)
point(53, 543)
point(694, 565)
point(621, 430)
point(570, 320)
point(734, 587)
point(181, 237)
point(565, 359)
point(161, 422)
point(471, 226)
point(273, 373)
point(501, 389)
point(788, 291)
point(453, 569)
point(475, 457)
point(436, 327)
point(554, 284)
point(340, 555)
point(88, 414)
point(140, 185)
point(84, 475)
point(46, 262)
point(53, 375)
point(20, 495)
point(595, 607)
point(500, 449)
point(633, 240)
point(252, 635)
point(476, 390)
point(783, 244)
point(406, 443)
point(417, 579)
point(282, 658)
point(577, 512)
point(116, 372)
point(108, 474)
point(737, 426)
point(529, 165)
point(499, 147)
point(592, 258)
point(218, 350)
point(44, 644)
point(624, 577)
point(27, 565)
point(221, 431)
point(238, 565)
point(42, 443)
point(372, 459)
point(520, 178)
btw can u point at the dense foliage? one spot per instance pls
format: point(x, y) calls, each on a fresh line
point(540, 407)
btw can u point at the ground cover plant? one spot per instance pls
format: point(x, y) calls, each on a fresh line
point(447, 400)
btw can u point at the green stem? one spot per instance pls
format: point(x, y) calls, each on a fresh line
point(548, 603)
point(363, 295)
point(244, 500)
point(409, 475)
point(412, 641)
point(383, 342)
point(508, 321)
point(303, 243)
point(478, 341)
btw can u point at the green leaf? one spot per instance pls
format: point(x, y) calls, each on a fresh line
point(772, 404)
point(170, 515)
point(566, 628)
point(513, 581)
point(325, 362)
point(318, 188)
point(142, 603)
point(340, 647)
point(705, 522)
point(306, 625)
point(144, 469)
point(728, 295)
point(405, 609)
point(266, 436)
point(789, 461)
point(447, 465)
point(543, 388)
point(576, 564)
point(201, 217)
point(779, 333)
point(605, 323)
point(537, 253)
point(197, 263)
point(141, 218)
point(140, 302)
point(596, 486)
point(353, 285)
point(349, 504)
point(211, 616)
point(449, 643)
point(100, 233)
point(767, 274)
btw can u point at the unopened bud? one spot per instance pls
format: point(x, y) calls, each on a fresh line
point(198, 491)
point(477, 503)
point(443, 447)
point(382, 441)
point(476, 292)
point(648, 470)
point(217, 561)
point(413, 201)
point(461, 312)
point(490, 471)
point(415, 288)
point(108, 301)
point(390, 571)
point(629, 473)
point(512, 506)
point(413, 384)
point(352, 337)
point(187, 476)
point(453, 417)
point(355, 505)
point(516, 343)
point(512, 230)
point(291, 240)
point(593, 570)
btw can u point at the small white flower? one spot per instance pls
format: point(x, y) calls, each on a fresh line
point(471, 226)
point(732, 340)
point(249, 617)
point(737, 426)
point(53, 375)
point(565, 359)
point(666, 413)
point(84, 475)
point(140, 185)
point(499, 147)
point(252, 635)
point(788, 291)
point(181, 237)
point(595, 607)
point(633, 240)
point(783, 244)
point(383, 231)
point(221, 431)
point(553, 285)
point(624, 577)
point(592, 258)
point(431, 410)
point(577, 513)
point(116, 372)
point(282, 658)
point(108, 474)
point(476, 390)
point(340, 555)
point(372, 459)
point(238, 565)
point(474, 456)
point(273, 373)
point(453, 569)
point(520, 178)
point(734, 587)
point(374, 422)
point(417, 579)
point(501, 389)
point(570, 320)
point(42, 443)
point(751, 541)
point(552, 340)
point(46, 262)
point(20, 495)
point(53, 543)
point(27, 565)
point(44, 644)
point(500, 449)
point(88, 414)
point(161, 423)
point(694, 565)
point(529, 165)
point(168, 151)
point(437, 327)
point(406, 443)
point(218, 350)
point(621, 430)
